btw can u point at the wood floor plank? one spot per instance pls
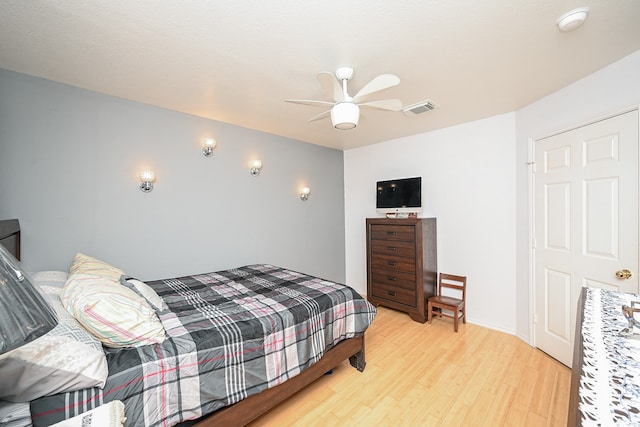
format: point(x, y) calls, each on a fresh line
point(562, 388)
point(497, 413)
point(478, 411)
point(427, 375)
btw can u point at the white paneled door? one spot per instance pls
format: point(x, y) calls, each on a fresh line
point(586, 223)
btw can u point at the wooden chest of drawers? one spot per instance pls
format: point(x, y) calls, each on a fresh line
point(402, 263)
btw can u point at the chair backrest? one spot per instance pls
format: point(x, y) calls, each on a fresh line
point(453, 282)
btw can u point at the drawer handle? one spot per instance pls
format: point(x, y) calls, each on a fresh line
point(391, 263)
point(392, 279)
point(391, 233)
point(392, 293)
point(391, 248)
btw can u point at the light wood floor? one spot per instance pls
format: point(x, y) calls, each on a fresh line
point(427, 375)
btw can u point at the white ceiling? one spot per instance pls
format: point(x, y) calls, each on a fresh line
point(237, 60)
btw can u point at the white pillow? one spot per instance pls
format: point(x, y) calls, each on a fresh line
point(50, 278)
point(50, 365)
point(14, 414)
point(65, 359)
point(146, 291)
point(67, 324)
point(113, 313)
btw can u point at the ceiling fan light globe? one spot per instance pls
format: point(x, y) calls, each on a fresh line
point(345, 115)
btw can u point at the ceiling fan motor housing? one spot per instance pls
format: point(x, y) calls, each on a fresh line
point(344, 73)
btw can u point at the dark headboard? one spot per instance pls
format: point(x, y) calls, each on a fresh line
point(10, 236)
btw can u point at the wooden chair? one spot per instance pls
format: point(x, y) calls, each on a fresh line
point(445, 302)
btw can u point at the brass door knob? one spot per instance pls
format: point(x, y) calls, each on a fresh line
point(623, 274)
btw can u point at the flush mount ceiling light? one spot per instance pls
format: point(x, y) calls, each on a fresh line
point(573, 19)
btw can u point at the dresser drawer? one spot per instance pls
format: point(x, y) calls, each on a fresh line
point(397, 248)
point(394, 278)
point(391, 262)
point(392, 293)
point(403, 233)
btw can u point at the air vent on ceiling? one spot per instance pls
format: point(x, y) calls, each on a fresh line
point(420, 107)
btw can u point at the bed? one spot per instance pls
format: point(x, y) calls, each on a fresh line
point(236, 343)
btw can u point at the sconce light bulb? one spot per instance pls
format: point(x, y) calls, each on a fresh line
point(304, 193)
point(208, 144)
point(256, 165)
point(146, 180)
point(147, 176)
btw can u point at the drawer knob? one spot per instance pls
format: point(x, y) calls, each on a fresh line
point(391, 248)
point(392, 293)
point(392, 263)
point(391, 233)
point(392, 279)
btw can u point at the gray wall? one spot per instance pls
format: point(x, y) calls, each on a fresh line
point(69, 161)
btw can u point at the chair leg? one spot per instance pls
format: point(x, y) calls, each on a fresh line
point(429, 310)
point(455, 321)
point(464, 315)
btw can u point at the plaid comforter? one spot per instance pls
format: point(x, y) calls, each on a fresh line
point(230, 334)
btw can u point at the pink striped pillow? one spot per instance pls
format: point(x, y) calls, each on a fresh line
point(84, 264)
point(113, 313)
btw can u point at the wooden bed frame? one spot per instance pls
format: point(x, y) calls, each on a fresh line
point(252, 407)
point(249, 409)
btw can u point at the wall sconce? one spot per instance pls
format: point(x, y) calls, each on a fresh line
point(208, 144)
point(147, 178)
point(304, 193)
point(256, 165)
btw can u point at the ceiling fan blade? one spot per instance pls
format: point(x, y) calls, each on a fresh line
point(311, 102)
point(320, 116)
point(331, 85)
point(382, 82)
point(384, 104)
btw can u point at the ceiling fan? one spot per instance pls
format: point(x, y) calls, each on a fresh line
point(345, 109)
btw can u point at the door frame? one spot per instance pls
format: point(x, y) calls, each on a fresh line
point(531, 182)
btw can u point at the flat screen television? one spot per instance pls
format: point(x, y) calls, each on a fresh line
point(399, 195)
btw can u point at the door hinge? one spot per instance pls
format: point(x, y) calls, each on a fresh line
point(533, 166)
